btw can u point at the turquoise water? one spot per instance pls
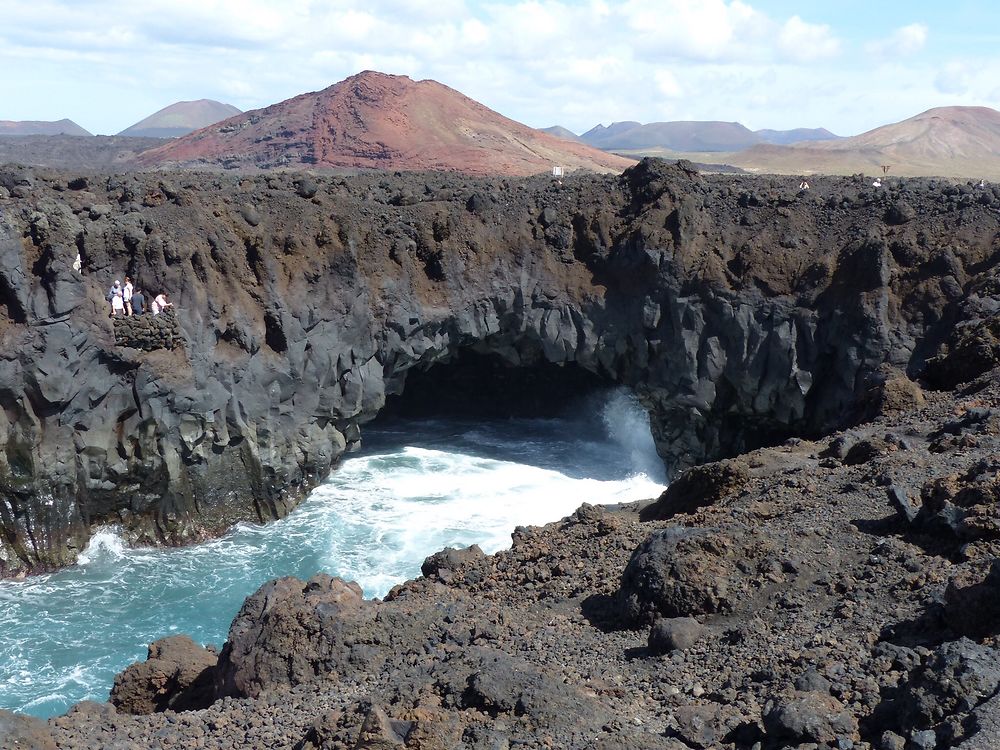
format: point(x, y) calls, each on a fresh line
point(416, 488)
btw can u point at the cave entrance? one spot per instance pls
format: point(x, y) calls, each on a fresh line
point(473, 385)
point(551, 416)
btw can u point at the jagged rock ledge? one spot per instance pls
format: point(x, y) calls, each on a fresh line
point(739, 310)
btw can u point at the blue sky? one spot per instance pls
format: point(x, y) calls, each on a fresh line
point(848, 65)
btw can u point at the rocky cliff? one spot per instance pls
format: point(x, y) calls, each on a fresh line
point(739, 310)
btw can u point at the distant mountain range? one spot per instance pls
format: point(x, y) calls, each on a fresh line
point(181, 118)
point(686, 136)
point(378, 121)
point(948, 141)
point(41, 127)
point(795, 135)
point(173, 121)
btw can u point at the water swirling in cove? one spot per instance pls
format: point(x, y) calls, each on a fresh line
point(416, 488)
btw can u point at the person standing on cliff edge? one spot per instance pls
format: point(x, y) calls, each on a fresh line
point(138, 302)
point(115, 298)
point(127, 295)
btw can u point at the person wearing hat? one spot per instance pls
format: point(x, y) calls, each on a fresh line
point(117, 299)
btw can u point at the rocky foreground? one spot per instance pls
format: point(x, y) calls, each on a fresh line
point(842, 593)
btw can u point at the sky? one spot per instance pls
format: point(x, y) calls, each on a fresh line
point(847, 65)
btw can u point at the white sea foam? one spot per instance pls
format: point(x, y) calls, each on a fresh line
point(382, 522)
point(422, 486)
point(105, 543)
point(627, 424)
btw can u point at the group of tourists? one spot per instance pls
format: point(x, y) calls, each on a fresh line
point(128, 299)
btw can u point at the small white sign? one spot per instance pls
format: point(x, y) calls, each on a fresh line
point(557, 171)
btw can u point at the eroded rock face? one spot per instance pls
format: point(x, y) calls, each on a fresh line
point(738, 317)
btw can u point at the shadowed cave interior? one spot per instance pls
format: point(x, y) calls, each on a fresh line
point(475, 385)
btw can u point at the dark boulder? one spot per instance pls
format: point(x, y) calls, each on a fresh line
point(678, 572)
point(674, 634)
point(812, 681)
point(290, 631)
point(891, 395)
point(700, 486)
point(445, 564)
point(866, 450)
point(900, 212)
point(306, 187)
point(955, 679)
point(250, 214)
point(501, 685)
point(178, 675)
point(704, 726)
point(809, 717)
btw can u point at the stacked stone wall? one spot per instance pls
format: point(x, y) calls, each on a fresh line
point(147, 332)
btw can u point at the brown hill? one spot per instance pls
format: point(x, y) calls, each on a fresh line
point(41, 127)
point(378, 121)
point(945, 141)
point(181, 118)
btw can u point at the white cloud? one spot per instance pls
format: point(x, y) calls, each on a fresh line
point(708, 30)
point(666, 84)
point(573, 62)
point(909, 40)
point(953, 78)
point(805, 42)
point(903, 42)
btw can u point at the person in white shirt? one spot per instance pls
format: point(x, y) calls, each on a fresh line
point(160, 303)
point(117, 304)
point(127, 295)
